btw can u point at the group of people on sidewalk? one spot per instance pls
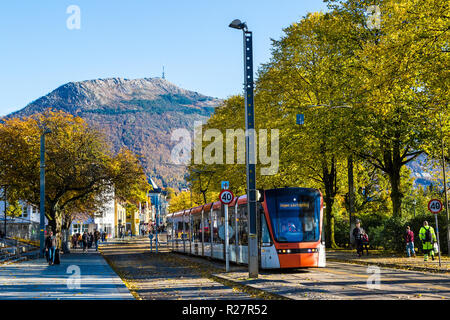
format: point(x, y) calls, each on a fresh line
point(426, 235)
point(428, 238)
point(86, 240)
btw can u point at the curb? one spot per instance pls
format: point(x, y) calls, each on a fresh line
point(391, 265)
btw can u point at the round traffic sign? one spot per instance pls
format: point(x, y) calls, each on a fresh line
point(226, 196)
point(435, 206)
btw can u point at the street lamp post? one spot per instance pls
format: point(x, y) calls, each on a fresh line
point(42, 196)
point(4, 193)
point(250, 147)
point(445, 183)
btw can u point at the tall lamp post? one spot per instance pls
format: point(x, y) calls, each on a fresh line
point(6, 199)
point(445, 182)
point(250, 147)
point(42, 196)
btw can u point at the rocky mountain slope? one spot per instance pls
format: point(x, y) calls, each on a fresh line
point(139, 114)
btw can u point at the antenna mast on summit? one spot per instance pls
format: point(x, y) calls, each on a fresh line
point(163, 74)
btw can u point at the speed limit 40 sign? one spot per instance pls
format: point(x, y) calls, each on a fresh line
point(226, 196)
point(435, 206)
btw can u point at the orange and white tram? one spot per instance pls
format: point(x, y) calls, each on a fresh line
point(290, 222)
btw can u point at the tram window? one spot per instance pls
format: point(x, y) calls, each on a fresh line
point(206, 227)
point(216, 226)
point(186, 229)
point(196, 228)
point(242, 225)
point(265, 236)
point(294, 217)
point(169, 230)
point(231, 225)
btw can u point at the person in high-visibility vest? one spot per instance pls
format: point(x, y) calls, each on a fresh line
point(428, 237)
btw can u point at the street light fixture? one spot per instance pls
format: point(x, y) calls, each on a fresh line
point(237, 24)
point(250, 147)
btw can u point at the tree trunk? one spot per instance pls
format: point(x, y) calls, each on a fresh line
point(393, 163)
point(329, 230)
point(396, 195)
point(65, 241)
point(56, 224)
point(329, 180)
point(350, 193)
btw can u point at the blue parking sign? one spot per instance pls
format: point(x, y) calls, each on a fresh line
point(300, 119)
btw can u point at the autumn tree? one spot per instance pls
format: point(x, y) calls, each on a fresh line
point(81, 172)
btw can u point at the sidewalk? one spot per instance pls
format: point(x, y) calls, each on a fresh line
point(391, 261)
point(35, 279)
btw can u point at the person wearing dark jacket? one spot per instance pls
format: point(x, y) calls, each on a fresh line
point(85, 241)
point(96, 239)
point(409, 239)
point(50, 245)
point(357, 234)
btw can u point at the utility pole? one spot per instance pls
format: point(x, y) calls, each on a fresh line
point(445, 183)
point(250, 147)
point(42, 195)
point(4, 193)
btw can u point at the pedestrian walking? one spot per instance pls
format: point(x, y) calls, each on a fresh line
point(85, 241)
point(364, 242)
point(50, 246)
point(357, 234)
point(103, 236)
point(96, 239)
point(74, 241)
point(409, 239)
point(428, 238)
point(90, 240)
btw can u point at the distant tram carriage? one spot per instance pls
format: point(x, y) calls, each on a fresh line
point(290, 222)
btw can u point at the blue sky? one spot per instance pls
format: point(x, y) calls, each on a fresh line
point(134, 39)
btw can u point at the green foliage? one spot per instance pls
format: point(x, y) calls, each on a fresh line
point(388, 76)
point(341, 231)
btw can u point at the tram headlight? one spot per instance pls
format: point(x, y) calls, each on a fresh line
point(288, 251)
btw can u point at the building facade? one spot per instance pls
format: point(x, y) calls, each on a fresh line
point(160, 204)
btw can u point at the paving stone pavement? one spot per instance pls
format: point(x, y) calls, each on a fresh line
point(35, 279)
point(165, 275)
point(344, 281)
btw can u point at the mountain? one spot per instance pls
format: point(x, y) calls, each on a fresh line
point(139, 114)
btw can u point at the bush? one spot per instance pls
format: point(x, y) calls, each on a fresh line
point(341, 231)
